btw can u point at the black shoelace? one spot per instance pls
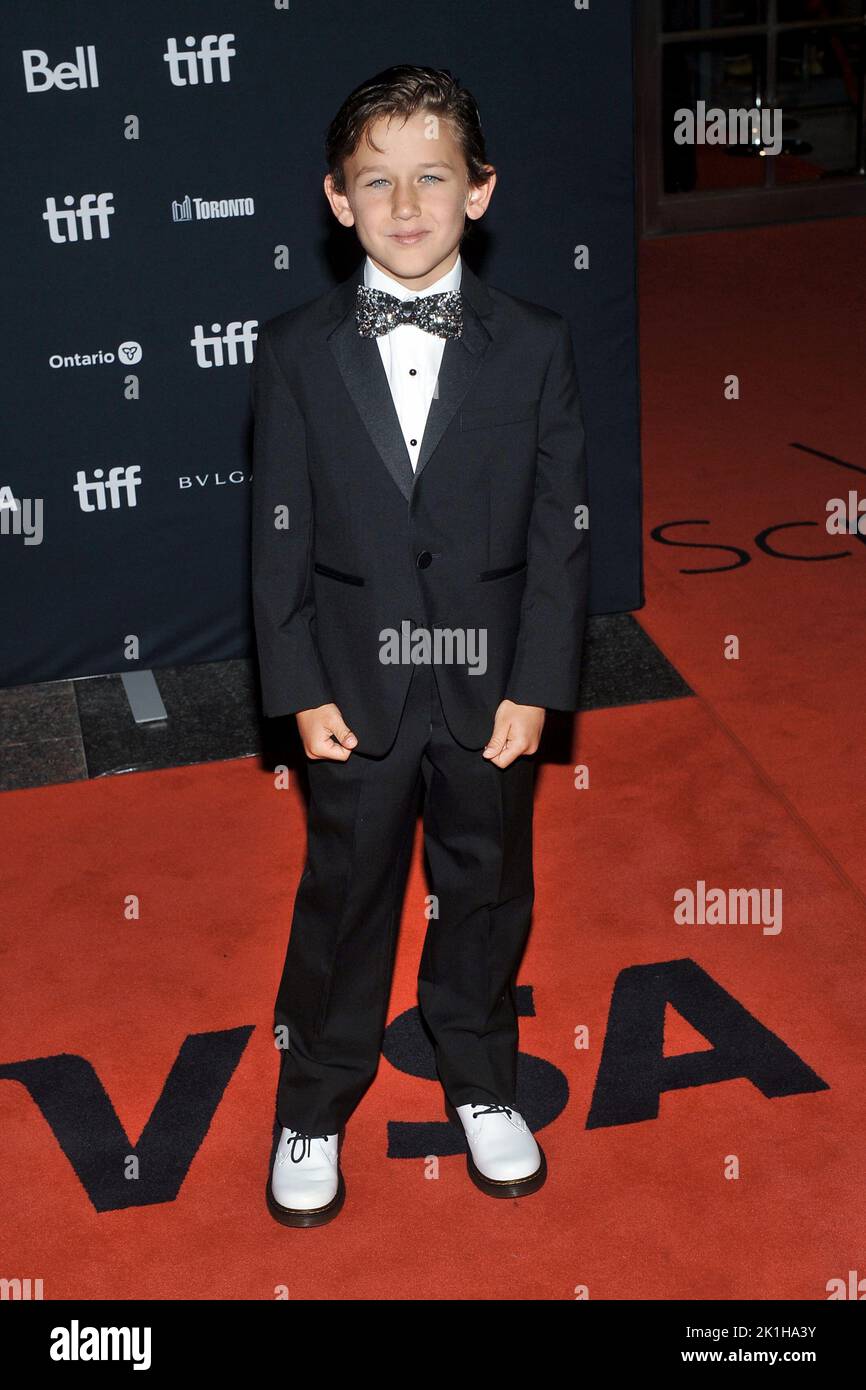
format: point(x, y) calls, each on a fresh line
point(490, 1110)
point(305, 1141)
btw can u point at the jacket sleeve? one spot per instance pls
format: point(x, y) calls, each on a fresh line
point(547, 661)
point(292, 674)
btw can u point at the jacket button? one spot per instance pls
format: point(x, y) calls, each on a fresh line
point(424, 559)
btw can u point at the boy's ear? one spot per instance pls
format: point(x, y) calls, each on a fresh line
point(339, 203)
point(480, 195)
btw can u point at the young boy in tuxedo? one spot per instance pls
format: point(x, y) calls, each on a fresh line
point(420, 568)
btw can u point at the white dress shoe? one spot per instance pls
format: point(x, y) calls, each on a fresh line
point(306, 1185)
point(503, 1159)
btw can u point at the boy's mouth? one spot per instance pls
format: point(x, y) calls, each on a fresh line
point(407, 238)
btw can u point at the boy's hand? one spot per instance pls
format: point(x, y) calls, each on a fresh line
point(316, 727)
point(516, 730)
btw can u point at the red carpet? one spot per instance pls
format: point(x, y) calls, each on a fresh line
point(728, 1167)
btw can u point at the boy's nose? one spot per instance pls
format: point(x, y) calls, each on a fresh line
point(404, 203)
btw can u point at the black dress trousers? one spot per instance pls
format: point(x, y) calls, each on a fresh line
point(333, 997)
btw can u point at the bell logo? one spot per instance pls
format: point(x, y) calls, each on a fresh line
point(66, 77)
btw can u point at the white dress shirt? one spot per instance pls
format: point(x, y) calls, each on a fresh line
point(410, 356)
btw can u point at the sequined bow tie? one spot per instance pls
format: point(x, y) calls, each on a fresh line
point(378, 313)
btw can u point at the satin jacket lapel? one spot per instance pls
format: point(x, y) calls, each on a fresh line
point(362, 371)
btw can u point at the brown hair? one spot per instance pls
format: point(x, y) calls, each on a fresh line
point(401, 91)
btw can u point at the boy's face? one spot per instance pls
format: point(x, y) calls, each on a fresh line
point(407, 200)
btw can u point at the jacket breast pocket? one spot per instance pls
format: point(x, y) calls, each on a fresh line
point(486, 575)
point(337, 574)
point(478, 417)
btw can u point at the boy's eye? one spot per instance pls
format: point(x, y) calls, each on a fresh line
point(434, 177)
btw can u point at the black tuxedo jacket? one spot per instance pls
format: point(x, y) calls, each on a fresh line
point(348, 542)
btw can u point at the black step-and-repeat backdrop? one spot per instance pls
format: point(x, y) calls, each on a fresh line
point(163, 197)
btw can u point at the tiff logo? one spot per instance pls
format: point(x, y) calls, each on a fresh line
point(209, 346)
point(92, 207)
point(184, 68)
point(119, 481)
point(39, 76)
